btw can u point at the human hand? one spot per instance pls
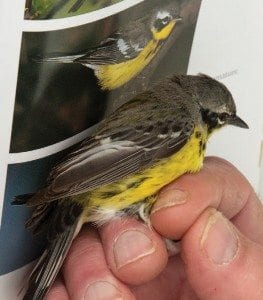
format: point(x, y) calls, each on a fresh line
point(219, 259)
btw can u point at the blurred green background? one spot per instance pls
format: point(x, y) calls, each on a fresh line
point(53, 9)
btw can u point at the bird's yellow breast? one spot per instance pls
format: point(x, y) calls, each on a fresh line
point(115, 75)
point(165, 32)
point(137, 187)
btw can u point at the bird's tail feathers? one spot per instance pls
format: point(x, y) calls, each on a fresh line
point(57, 58)
point(22, 199)
point(48, 266)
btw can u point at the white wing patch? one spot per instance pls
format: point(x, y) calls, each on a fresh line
point(103, 149)
point(93, 67)
point(162, 136)
point(62, 59)
point(123, 46)
point(105, 141)
point(175, 134)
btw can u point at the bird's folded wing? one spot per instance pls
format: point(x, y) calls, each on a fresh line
point(108, 159)
point(118, 47)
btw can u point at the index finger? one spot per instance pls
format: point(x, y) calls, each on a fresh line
point(220, 185)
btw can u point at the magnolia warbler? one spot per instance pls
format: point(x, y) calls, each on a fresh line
point(125, 53)
point(142, 146)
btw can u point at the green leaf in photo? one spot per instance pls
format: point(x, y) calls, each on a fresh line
point(53, 9)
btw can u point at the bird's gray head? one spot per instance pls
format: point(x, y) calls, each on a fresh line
point(216, 102)
point(164, 16)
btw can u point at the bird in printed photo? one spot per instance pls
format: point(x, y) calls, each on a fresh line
point(125, 53)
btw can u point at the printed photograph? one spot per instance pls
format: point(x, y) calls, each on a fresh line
point(54, 9)
point(70, 79)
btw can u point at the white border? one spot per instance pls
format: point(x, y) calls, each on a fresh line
point(12, 283)
point(22, 157)
point(69, 22)
point(10, 44)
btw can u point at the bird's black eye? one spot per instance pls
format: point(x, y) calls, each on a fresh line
point(223, 117)
point(165, 20)
point(159, 24)
point(212, 117)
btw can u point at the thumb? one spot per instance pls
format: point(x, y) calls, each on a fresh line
point(221, 263)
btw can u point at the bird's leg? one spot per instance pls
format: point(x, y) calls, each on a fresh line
point(173, 246)
point(145, 209)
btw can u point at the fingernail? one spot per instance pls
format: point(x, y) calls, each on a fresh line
point(170, 197)
point(102, 290)
point(130, 246)
point(219, 240)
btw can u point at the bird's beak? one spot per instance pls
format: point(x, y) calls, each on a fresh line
point(236, 121)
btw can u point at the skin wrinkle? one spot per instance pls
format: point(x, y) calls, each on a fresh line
point(246, 268)
point(183, 288)
point(125, 221)
point(232, 191)
point(139, 257)
point(214, 189)
point(107, 282)
point(79, 253)
point(241, 199)
point(251, 207)
point(225, 194)
point(257, 212)
point(246, 275)
point(215, 217)
point(83, 249)
point(58, 290)
point(185, 292)
point(78, 276)
point(162, 280)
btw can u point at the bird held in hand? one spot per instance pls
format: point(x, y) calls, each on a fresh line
point(141, 147)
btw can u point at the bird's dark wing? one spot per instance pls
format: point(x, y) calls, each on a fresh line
point(60, 222)
point(120, 46)
point(110, 157)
